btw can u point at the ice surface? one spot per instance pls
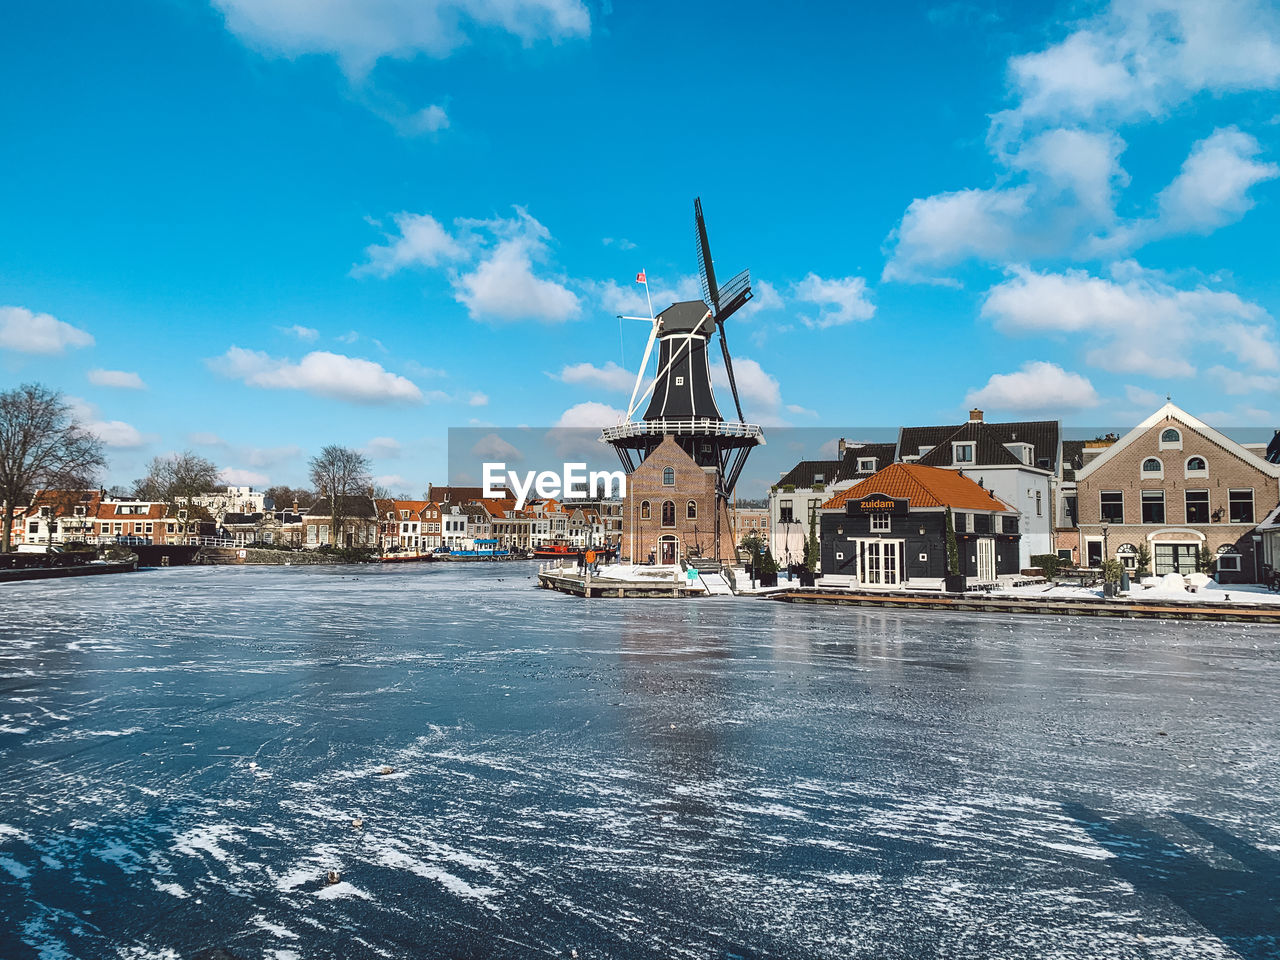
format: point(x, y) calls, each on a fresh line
point(625, 778)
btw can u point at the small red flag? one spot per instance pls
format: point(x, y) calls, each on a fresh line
point(640, 277)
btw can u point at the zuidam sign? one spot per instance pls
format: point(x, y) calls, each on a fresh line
point(877, 503)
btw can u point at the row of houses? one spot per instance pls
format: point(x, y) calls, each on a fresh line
point(1172, 488)
point(453, 518)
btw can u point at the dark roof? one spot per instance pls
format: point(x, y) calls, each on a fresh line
point(882, 453)
point(1072, 458)
point(353, 508)
point(446, 494)
point(684, 316)
point(804, 473)
point(242, 518)
point(990, 437)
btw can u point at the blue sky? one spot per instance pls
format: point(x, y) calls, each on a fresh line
point(253, 228)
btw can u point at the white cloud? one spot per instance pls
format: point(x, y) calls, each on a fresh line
point(393, 482)
point(841, 300)
point(360, 32)
point(1140, 397)
point(122, 379)
point(1037, 386)
point(1138, 58)
point(591, 414)
point(23, 331)
point(494, 448)
point(305, 334)
point(1237, 383)
point(759, 391)
point(237, 477)
point(503, 284)
point(206, 439)
point(764, 296)
point(430, 119)
point(1057, 150)
point(421, 242)
point(320, 373)
point(113, 433)
point(621, 242)
point(478, 399)
point(1136, 322)
point(1086, 163)
point(629, 300)
point(1212, 188)
point(383, 448)
point(939, 231)
point(610, 376)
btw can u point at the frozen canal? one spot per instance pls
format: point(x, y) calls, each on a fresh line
point(183, 752)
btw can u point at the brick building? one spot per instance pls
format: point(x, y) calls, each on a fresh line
point(1176, 485)
point(669, 513)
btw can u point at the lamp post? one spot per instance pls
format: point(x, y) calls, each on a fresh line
point(1106, 523)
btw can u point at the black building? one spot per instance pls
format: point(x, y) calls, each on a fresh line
point(891, 528)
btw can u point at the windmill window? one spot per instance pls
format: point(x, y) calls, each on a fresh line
point(668, 513)
point(691, 510)
point(646, 512)
point(669, 477)
point(1170, 439)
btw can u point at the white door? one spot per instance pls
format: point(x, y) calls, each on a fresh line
point(890, 562)
point(986, 560)
point(882, 562)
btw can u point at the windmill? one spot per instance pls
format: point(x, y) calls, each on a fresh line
point(681, 400)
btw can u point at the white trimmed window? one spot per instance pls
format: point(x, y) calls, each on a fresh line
point(1241, 505)
point(962, 453)
point(880, 523)
point(1197, 468)
point(1152, 468)
point(1170, 439)
point(1229, 561)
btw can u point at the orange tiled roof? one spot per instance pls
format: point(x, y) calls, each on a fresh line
point(924, 487)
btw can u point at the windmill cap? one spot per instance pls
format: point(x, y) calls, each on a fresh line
point(684, 317)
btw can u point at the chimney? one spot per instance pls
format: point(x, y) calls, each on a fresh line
point(975, 415)
point(295, 504)
point(840, 449)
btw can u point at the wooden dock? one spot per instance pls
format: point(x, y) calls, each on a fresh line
point(569, 580)
point(70, 570)
point(1123, 609)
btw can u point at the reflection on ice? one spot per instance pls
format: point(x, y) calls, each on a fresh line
point(185, 753)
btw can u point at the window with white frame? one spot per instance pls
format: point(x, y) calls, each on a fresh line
point(880, 523)
point(1170, 439)
point(962, 453)
point(1241, 506)
point(1152, 468)
point(867, 465)
point(1197, 467)
point(1229, 562)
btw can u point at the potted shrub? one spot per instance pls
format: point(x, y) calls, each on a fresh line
point(768, 569)
point(1144, 561)
point(1112, 570)
point(812, 556)
point(954, 580)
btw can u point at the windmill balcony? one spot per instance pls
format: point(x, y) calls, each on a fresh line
point(695, 428)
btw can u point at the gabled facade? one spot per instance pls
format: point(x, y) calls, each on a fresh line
point(57, 517)
point(359, 524)
point(890, 529)
point(1019, 461)
point(1177, 486)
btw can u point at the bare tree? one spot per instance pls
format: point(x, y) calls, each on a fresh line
point(41, 445)
point(339, 473)
point(284, 496)
point(174, 480)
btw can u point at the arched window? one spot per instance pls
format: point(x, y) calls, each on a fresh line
point(1196, 467)
point(669, 477)
point(668, 513)
point(691, 510)
point(1170, 439)
point(646, 511)
point(1152, 467)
